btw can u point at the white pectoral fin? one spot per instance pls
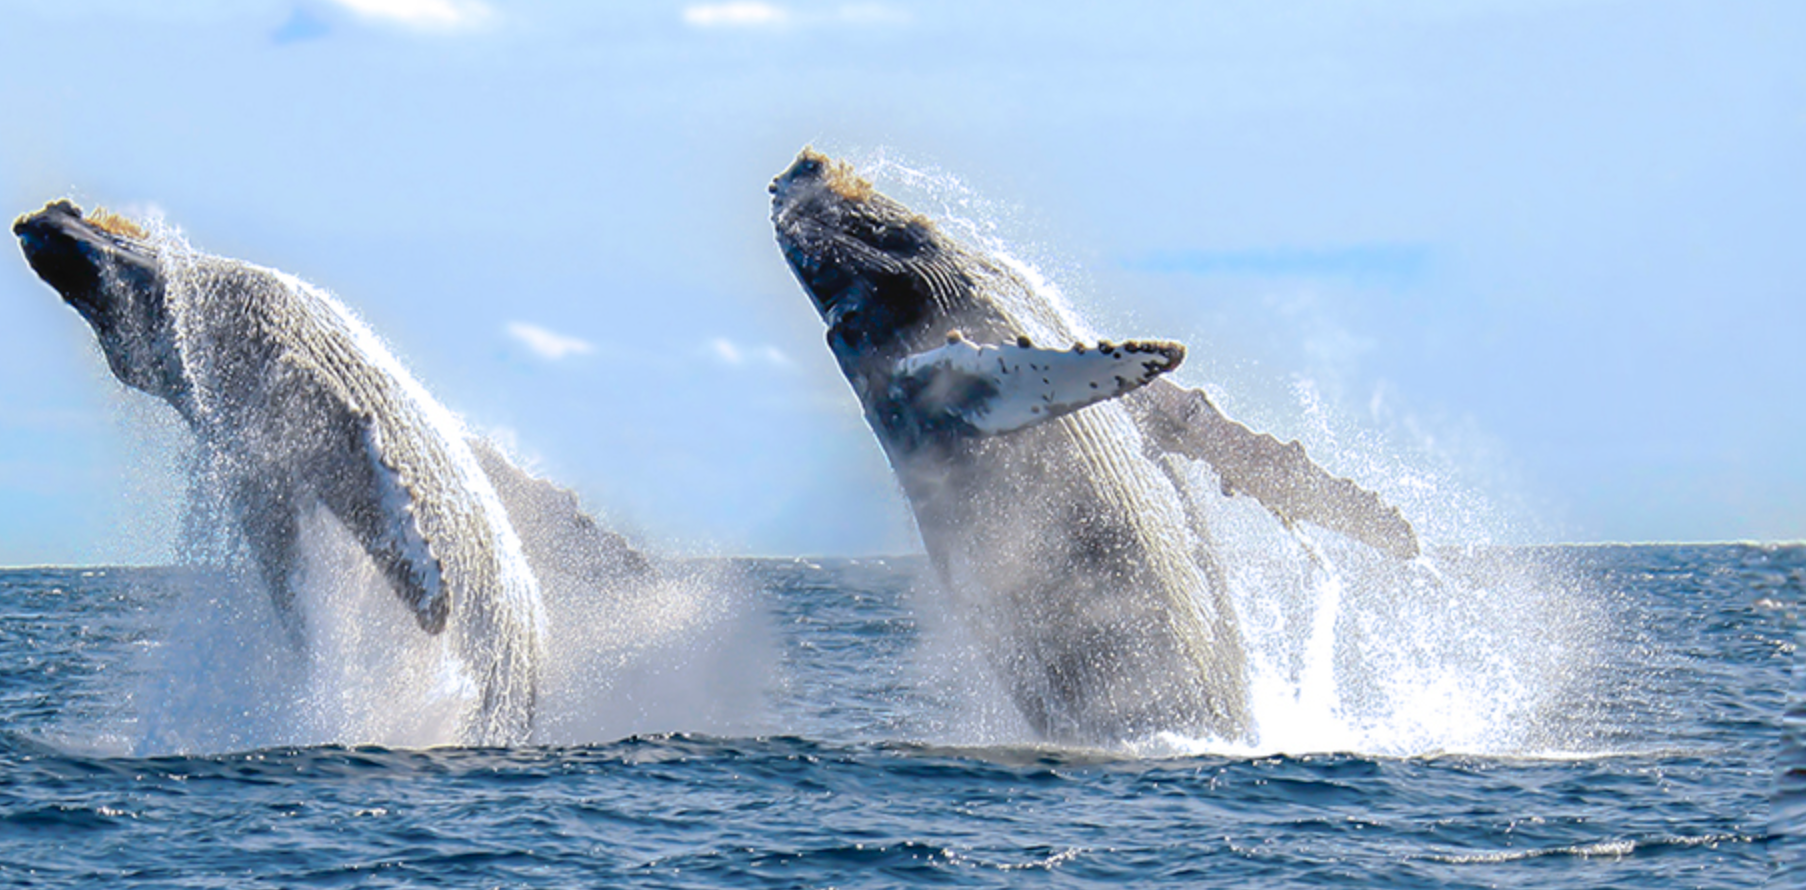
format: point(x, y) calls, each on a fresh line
point(371, 497)
point(989, 390)
point(1279, 475)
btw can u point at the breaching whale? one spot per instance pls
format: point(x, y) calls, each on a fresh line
point(297, 406)
point(1043, 480)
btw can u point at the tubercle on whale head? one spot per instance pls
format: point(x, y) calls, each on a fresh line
point(104, 267)
point(857, 253)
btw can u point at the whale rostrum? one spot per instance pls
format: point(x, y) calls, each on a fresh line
point(297, 405)
point(1043, 481)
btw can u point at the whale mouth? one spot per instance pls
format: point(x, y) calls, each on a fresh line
point(80, 256)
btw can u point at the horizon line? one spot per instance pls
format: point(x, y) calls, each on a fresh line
point(813, 557)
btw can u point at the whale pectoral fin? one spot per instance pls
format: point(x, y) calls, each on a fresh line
point(1279, 475)
point(267, 516)
point(376, 504)
point(560, 540)
point(990, 390)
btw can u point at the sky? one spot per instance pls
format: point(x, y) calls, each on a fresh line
point(1545, 254)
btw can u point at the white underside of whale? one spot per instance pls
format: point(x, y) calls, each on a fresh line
point(1000, 389)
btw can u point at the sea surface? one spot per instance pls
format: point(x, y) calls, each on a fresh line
point(860, 751)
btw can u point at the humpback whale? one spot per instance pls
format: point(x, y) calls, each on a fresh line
point(297, 406)
point(1044, 480)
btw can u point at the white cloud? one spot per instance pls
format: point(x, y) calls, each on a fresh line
point(730, 353)
point(758, 14)
point(725, 350)
point(430, 14)
point(549, 345)
point(737, 14)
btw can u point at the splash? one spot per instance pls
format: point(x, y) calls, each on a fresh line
point(1467, 648)
point(633, 644)
point(630, 646)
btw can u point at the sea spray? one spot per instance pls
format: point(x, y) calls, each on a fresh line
point(687, 654)
point(685, 651)
point(221, 674)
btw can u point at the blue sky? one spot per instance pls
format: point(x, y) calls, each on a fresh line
point(1547, 252)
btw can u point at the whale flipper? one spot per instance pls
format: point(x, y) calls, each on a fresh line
point(379, 509)
point(327, 447)
point(1183, 421)
point(563, 543)
point(268, 519)
point(990, 390)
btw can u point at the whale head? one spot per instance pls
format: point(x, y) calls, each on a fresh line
point(876, 271)
point(105, 268)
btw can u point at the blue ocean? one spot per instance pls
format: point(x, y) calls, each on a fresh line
point(1549, 717)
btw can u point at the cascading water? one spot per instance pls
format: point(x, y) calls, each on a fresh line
point(1461, 649)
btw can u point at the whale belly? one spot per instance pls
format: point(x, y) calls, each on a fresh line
point(1065, 549)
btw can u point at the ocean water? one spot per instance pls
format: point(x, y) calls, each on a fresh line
point(865, 749)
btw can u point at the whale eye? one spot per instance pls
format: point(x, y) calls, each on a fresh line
point(806, 167)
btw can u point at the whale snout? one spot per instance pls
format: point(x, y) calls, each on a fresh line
point(807, 166)
point(49, 229)
point(813, 178)
point(61, 208)
point(61, 249)
point(80, 257)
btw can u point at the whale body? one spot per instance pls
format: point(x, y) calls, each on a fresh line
point(1042, 480)
point(298, 406)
